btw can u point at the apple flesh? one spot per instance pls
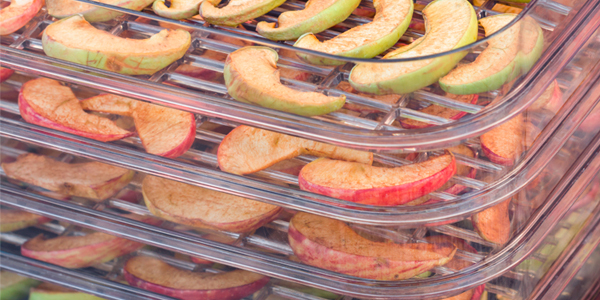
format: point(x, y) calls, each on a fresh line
point(451, 24)
point(12, 220)
point(164, 131)
point(17, 14)
point(493, 224)
point(13, 286)
point(365, 41)
point(78, 251)
point(366, 184)
point(179, 9)
point(47, 291)
point(47, 103)
point(91, 180)
point(195, 206)
point(317, 16)
point(154, 275)
point(332, 245)
point(503, 144)
point(508, 55)
point(66, 8)
point(75, 40)
point(5, 73)
point(247, 150)
point(251, 76)
point(236, 11)
point(440, 111)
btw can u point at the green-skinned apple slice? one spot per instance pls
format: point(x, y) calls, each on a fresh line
point(11, 220)
point(13, 286)
point(75, 40)
point(508, 55)
point(92, 180)
point(164, 131)
point(440, 111)
point(365, 41)
point(504, 143)
point(450, 24)
point(78, 251)
point(179, 9)
point(366, 184)
point(17, 14)
point(5, 73)
point(247, 150)
point(236, 11)
point(47, 103)
point(493, 224)
point(331, 244)
point(251, 76)
point(195, 206)
point(66, 8)
point(317, 16)
point(47, 291)
point(154, 275)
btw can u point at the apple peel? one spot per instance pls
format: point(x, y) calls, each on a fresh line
point(5, 73)
point(236, 11)
point(440, 111)
point(12, 220)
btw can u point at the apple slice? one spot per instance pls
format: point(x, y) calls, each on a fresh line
point(47, 103)
point(92, 180)
point(12, 220)
point(66, 8)
point(5, 73)
point(47, 291)
point(164, 131)
point(236, 11)
point(346, 87)
point(364, 41)
point(508, 55)
point(440, 111)
point(493, 224)
point(195, 206)
point(247, 150)
point(13, 286)
point(450, 24)
point(78, 251)
point(317, 16)
point(75, 40)
point(251, 76)
point(17, 14)
point(154, 275)
point(366, 184)
point(179, 9)
point(504, 143)
point(551, 99)
point(330, 244)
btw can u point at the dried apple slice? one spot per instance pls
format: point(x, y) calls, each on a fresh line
point(346, 87)
point(366, 184)
point(504, 143)
point(17, 14)
point(75, 40)
point(164, 131)
point(92, 180)
point(247, 150)
point(236, 11)
point(251, 76)
point(508, 55)
point(317, 15)
point(493, 224)
point(66, 8)
point(440, 111)
point(450, 24)
point(154, 275)
point(11, 220)
point(179, 9)
point(5, 73)
point(47, 291)
point(331, 244)
point(78, 251)
point(551, 99)
point(365, 41)
point(195, 206)
point(47, 103)
point(13, 286)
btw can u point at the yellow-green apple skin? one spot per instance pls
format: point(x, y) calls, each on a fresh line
point(236, 11)
point(179, 9)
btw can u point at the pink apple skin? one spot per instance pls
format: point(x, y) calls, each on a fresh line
point(201, 261)
point(31, 116)
point(505, 161)
point(84, 256)
point(111, 187)
point(478, 292)
point(443, 112)
point(551, 99)
point(15, 16)
point(185, 144)
point(5, 74)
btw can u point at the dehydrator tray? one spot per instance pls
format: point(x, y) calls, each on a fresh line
point(566, 28)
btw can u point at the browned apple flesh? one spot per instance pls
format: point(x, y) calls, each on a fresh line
point(493, 224)
point(440, 111)
point(390, 99)
point(247, 150)
point(92, 180)
point(504, 143)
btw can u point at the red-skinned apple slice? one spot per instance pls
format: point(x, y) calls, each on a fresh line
point(47, 103)
point(164, 131)
point(78, 251)
point(11, 220)
point(440, 111)
point(195, 206)
point(551, 99)
point(5, 73)
point(493, 224)
point(330, 244)
point(17, 14)
point(504, 143)
point(388, 99)
point(91, 180)
point(366, 184)
point(154, 275)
